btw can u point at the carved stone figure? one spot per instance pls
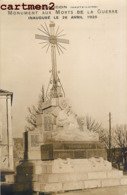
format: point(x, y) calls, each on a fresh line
point(67, 126)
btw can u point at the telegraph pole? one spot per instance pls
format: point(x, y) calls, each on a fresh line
point(109, 134)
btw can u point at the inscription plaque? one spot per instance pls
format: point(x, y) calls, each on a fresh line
point(47, 123)
point(34, 140)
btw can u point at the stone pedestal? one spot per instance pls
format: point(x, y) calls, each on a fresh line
point(65, 175)
point(32, 148)
point(59, 156)
point(73, 150)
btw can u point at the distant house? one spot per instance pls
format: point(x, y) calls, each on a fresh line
point(6, 142)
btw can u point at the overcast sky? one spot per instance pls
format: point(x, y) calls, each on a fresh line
point(93, 68)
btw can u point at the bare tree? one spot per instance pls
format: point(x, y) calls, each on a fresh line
point(93, 125)
point(120, 136)
point(97, 127)
point(33, 111)
point(120, 140)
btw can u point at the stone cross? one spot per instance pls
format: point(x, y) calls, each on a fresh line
point(52, 39)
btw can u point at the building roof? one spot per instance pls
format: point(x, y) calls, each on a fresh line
point(6, 93)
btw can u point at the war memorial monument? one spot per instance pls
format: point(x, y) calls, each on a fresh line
point(59, 156)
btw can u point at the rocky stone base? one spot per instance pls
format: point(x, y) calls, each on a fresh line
point(66, 175)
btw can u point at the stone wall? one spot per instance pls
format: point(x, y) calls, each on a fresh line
point(18, 150)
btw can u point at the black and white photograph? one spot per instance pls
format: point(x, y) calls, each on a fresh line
point(63, 97)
